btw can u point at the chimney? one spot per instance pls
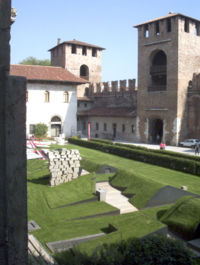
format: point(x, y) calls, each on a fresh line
point(58, 41)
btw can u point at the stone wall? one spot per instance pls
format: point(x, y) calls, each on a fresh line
point(64, 166)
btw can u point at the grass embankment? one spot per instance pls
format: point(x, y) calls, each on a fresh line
point(184, 216)
point(141, 179)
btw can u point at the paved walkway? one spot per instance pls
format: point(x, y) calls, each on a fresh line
point(115, 198)
point(184, 150)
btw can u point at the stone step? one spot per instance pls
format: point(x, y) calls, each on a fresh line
point(39, 253)
point(194, 244)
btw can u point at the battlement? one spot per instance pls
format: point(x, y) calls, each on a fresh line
point(113, 88)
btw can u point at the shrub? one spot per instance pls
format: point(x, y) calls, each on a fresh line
point(145, 251)
point(40, 130)
point(176, 163)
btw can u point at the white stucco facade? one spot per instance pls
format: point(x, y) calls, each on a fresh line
point(39, 111)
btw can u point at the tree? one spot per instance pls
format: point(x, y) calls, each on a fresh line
point(40, 130)
point(34, 61)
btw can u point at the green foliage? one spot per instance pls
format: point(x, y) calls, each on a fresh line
point(184, 216)
point(40, 130)
point(176, 163)
point(34, 61)
point(147, 251)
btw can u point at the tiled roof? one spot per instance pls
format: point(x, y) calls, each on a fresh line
point(80, 43)
point(164, 17)
point(45, 73)
point(109, 112)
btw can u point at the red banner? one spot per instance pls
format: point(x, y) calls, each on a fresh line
point(88, 130)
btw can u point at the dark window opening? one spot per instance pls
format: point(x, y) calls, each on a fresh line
point(94, 52)
point(84, 72)
point(84, 125)
point(105, 127)
point(123, 127)
point(133, 128)
point(158, 72)
point(97, 126)
point(55, 119)
point(157, 28)
point(85, 105)
point(87, 91)
point(197, 31)
point(74, 48)
point(186, 25)
point(169, 25)
point(146, 31)
point(84, 50)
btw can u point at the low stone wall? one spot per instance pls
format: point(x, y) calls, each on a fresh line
point(64, 166)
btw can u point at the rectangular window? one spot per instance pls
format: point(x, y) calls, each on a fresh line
point(97, 126)
point(94, 52)
point(157, 28)
point(74, 48)
point(31, 129)
point(133, 128)
point(146, 31)
point(66, 97)
point(84, 125)
point(186, 25)
point(46, 96)
point(84, 50)
point(123, 128)
point(105, 127)
point(169, 25)
point(85, 105)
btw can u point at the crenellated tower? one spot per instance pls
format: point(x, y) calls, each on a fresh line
point(168, 55)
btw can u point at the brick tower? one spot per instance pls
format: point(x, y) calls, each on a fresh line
point(80, 58)
point(168, 55)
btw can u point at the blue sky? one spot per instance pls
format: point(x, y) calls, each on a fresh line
point(106, 23)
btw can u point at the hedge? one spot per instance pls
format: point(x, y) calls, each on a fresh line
point(161, 152)
point(176, 163)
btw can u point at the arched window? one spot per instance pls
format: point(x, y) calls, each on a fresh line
point(84, 72)
point(46, 96)
point(158, 71)
point(66, 97)
point(55, 119)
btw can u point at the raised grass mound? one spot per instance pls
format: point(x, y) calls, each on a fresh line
point(184, 217)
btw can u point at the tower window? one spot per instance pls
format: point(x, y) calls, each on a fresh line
point(84, 72)
point(146, 31)
point(94, 52)
point(84, 50)
point(169, 25)
point(186, 25)
point(157, 28)
point(74, 48)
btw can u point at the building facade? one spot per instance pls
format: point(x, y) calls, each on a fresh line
point(51, 98)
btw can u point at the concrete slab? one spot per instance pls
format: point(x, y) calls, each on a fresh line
point(167, 195)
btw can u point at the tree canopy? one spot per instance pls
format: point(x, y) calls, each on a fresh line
point(34, 61)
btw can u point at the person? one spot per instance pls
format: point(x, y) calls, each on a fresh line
point(196, 149)
point(162, 146)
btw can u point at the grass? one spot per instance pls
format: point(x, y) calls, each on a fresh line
point(184, 216)
point(141, 179)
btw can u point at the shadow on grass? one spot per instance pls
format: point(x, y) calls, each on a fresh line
point(160, 214)
point(42, 181)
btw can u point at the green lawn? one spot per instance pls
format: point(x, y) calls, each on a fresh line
point(141, 179)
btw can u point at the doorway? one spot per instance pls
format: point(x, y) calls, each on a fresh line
point(155, 131)
point(55, 126)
